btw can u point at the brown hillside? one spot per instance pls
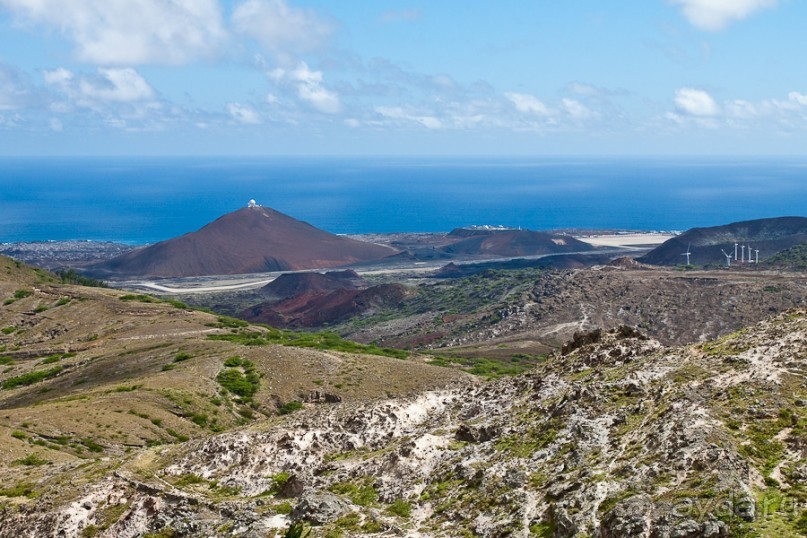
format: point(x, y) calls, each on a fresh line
point(291, 284)
point(512, 243)
point(317, 309)
point(249, 240)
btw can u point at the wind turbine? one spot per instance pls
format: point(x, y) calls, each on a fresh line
point(749, 253)
point(728, 257)
point(735, 251)
point(742, 253)
point(687, 253)
point(757, 253)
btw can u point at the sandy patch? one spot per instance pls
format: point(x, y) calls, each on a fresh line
point(625, 240)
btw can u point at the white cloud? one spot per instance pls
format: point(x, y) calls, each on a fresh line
point(699, 103)
point(129, 32)
point(716, 14)
point(56, 125)
point(243, 114)
point(108, 85)
point(308, 85)
point(797, 97)
point(279, 27)
point(402, 115)
point(527, 103)
point(123, 85)
point(15, 89)
point(740, 109)
point(576, 109)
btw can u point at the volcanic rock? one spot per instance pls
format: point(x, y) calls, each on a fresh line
point(250, 240)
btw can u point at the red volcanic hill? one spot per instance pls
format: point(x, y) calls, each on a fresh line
point(511, 243)
point(253, 239)
point(292, 284)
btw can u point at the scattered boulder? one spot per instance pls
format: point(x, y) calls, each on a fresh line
point(319, 508)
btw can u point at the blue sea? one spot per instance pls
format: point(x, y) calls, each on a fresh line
point(143, 200)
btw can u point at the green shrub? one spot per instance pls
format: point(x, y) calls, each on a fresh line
point(70, 276)
point(200, 419)
point(290, 407)
point(91, 445)
point(363, 494)
point(30, 378)
point(31, 460)
point(400, 508)
point(140, 298)
point(231, 323)
point(181, 357)
point(23, 489)
point(51, 359)
point(22, 294)
point(238, 383)
point(19, 435)
point(8, 330)
point(6, 361)
point(233, 362)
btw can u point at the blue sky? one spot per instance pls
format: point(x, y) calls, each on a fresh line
point(291, 77)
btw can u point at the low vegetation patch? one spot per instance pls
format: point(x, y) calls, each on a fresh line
point(483, 367)
point(290, 407)
point(70, 276)
point(361, 494)
point(22, 294)
point(143, 298)
point(240, 378)
point(31, 460)
point(23, 489)
point(320, 340)
point(30, 378)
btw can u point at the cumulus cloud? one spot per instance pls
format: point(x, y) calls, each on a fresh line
point(281, 28)
point(716, 14)
point(698, 103)
point(402, 115)
point(243, 114)
point(797, 97)
point(107, 85)
point(576, 109)
point(527, 103)
point(130, 32)
point(309, 87)
point(16, 91)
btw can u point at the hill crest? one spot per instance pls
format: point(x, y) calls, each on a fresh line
point(252, 239)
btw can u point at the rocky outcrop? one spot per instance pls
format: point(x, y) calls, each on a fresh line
point(618, 437)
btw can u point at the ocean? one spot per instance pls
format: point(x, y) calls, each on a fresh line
point(143, 200)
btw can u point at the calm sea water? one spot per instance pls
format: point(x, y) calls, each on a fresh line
point(142, 200)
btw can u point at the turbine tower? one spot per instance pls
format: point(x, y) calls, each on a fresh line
point(687, 253)
point(749, 253)
point(728, 257)
point(735, 251)
point(742, 253)
point(756, 251)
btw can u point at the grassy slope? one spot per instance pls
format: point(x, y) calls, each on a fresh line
point(85, 374)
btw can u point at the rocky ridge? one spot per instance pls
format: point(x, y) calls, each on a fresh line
point(615, 436)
